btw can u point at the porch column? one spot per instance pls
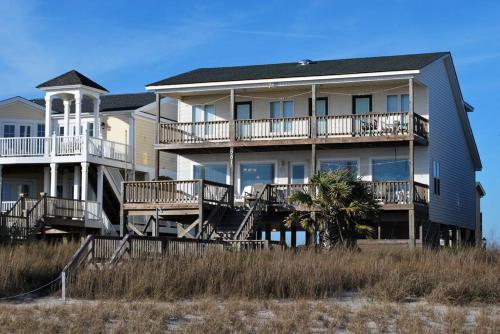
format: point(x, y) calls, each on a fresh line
point(100, 185)
point(268, 232)
point(231, 171)
point(78, 112)
point(313, 161)
point(85, 180)
point(308, 238)
point(313, 111)
point(76, 182)
point(259, 233)
point(53, 179)
point(283, 234)
point(48, 110)
point(232, 127)
point(67, 104)
point(157, 152)
point(46, 180)
point(97, 121)
point(411, 170)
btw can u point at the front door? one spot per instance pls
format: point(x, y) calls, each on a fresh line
point(243, 111)
point(362, 105)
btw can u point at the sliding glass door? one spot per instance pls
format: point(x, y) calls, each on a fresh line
point(256, 173)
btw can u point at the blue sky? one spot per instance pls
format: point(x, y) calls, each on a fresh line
point(124, 45)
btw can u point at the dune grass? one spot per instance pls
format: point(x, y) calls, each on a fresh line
point(28, 266)
point(450, 276)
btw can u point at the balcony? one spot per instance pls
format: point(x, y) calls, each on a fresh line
point(332, 129)
point(187, 193)
point(62, 149)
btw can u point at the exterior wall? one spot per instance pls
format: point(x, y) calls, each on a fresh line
point(283, 160)
point(447, 144)
point(116, 128)
point(19, 113)
point(145, 138)
point(339, 100)
point(18, 174)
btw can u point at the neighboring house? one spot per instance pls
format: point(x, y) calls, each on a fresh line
point(400, 123)
point(53, 145)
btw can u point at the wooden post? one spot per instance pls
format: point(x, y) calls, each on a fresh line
point(157, 152)
point(379, 231)
point(313, 112)
point(313, 161)
point(283, 235)
point(268, 232)
point(258, 232)
point(231, 173)
point(232, 128)
point(201, 215)
point(411, 169)
point(123, 213)
point(293, 240)
point(308, 238)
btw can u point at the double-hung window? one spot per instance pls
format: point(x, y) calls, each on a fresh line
point(40, 130)
point(280, 111)
point(398, 103)
point(9, 130)
point(24, 131)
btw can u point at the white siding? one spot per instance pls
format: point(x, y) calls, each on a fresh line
point(447, 144)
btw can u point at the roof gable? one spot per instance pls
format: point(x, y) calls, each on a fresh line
point(291, 70)
point(71, 78)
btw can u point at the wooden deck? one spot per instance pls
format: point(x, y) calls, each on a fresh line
point(294, 132)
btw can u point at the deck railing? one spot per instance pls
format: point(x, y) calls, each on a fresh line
point(174, 191)
point(63, 146)
point(386, 192)
point(365, 125)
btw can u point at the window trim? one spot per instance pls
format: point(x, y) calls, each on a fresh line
point(236, 104)
point(323, 98)
point(211, 163)
point(354, 97)
point(298, 162)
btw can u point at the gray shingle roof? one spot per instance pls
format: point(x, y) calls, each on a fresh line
point(72, 77)
point(317, 68)
point(110, 102)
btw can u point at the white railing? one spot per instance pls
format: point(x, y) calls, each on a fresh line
point(272, 128)
point(7, 205)
point(63, 146)
point(109, 149)
point(69, 145)
point(24, 146)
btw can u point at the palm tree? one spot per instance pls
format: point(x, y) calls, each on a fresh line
point(337, 205)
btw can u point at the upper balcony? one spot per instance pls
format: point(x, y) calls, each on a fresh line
point(294, 131)
point(61, 149)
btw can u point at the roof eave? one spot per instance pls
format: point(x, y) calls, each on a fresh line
point(275, 82)
point(72, 87)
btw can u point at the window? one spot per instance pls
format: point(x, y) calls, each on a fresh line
point(24, 131)
point(321, 106)
point(9, 130)
point(90, 129)
point(392, 103)
point(40, 130)
point(436, 178)
point(283, 109)
point(243, 110)
point(334, 165)
point(214, 173)
point(361, 104)
point(298, 173)
point(61, 130)
point(256, 173)
point(405, 103)
point(389, 170)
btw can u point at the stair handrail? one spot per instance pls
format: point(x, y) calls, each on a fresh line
point(76, 260)
point(249, 220)
point(8, 212)
point(123, 246)
point(217, 213)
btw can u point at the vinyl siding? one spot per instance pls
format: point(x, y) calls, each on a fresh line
point(447, 144)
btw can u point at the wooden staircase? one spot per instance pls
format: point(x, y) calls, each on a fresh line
point(29, 217)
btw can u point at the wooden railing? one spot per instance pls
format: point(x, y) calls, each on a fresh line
point(194, 132)
point(421, 193)
point(174, 191)
point(370, 124)
point(257, 210)
point(421, 126)
point(272, 128)
point(216, 215)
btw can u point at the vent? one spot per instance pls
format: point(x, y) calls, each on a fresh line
point(305, 62)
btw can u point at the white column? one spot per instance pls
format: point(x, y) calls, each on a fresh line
point(48, 121)
point(97, 121)
point(53, 179)
point(100, 186)
point(46, 179)
point(67, 104)
point(85, 180)
point(76, 182)
point(65, 183)
point(78, 112)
